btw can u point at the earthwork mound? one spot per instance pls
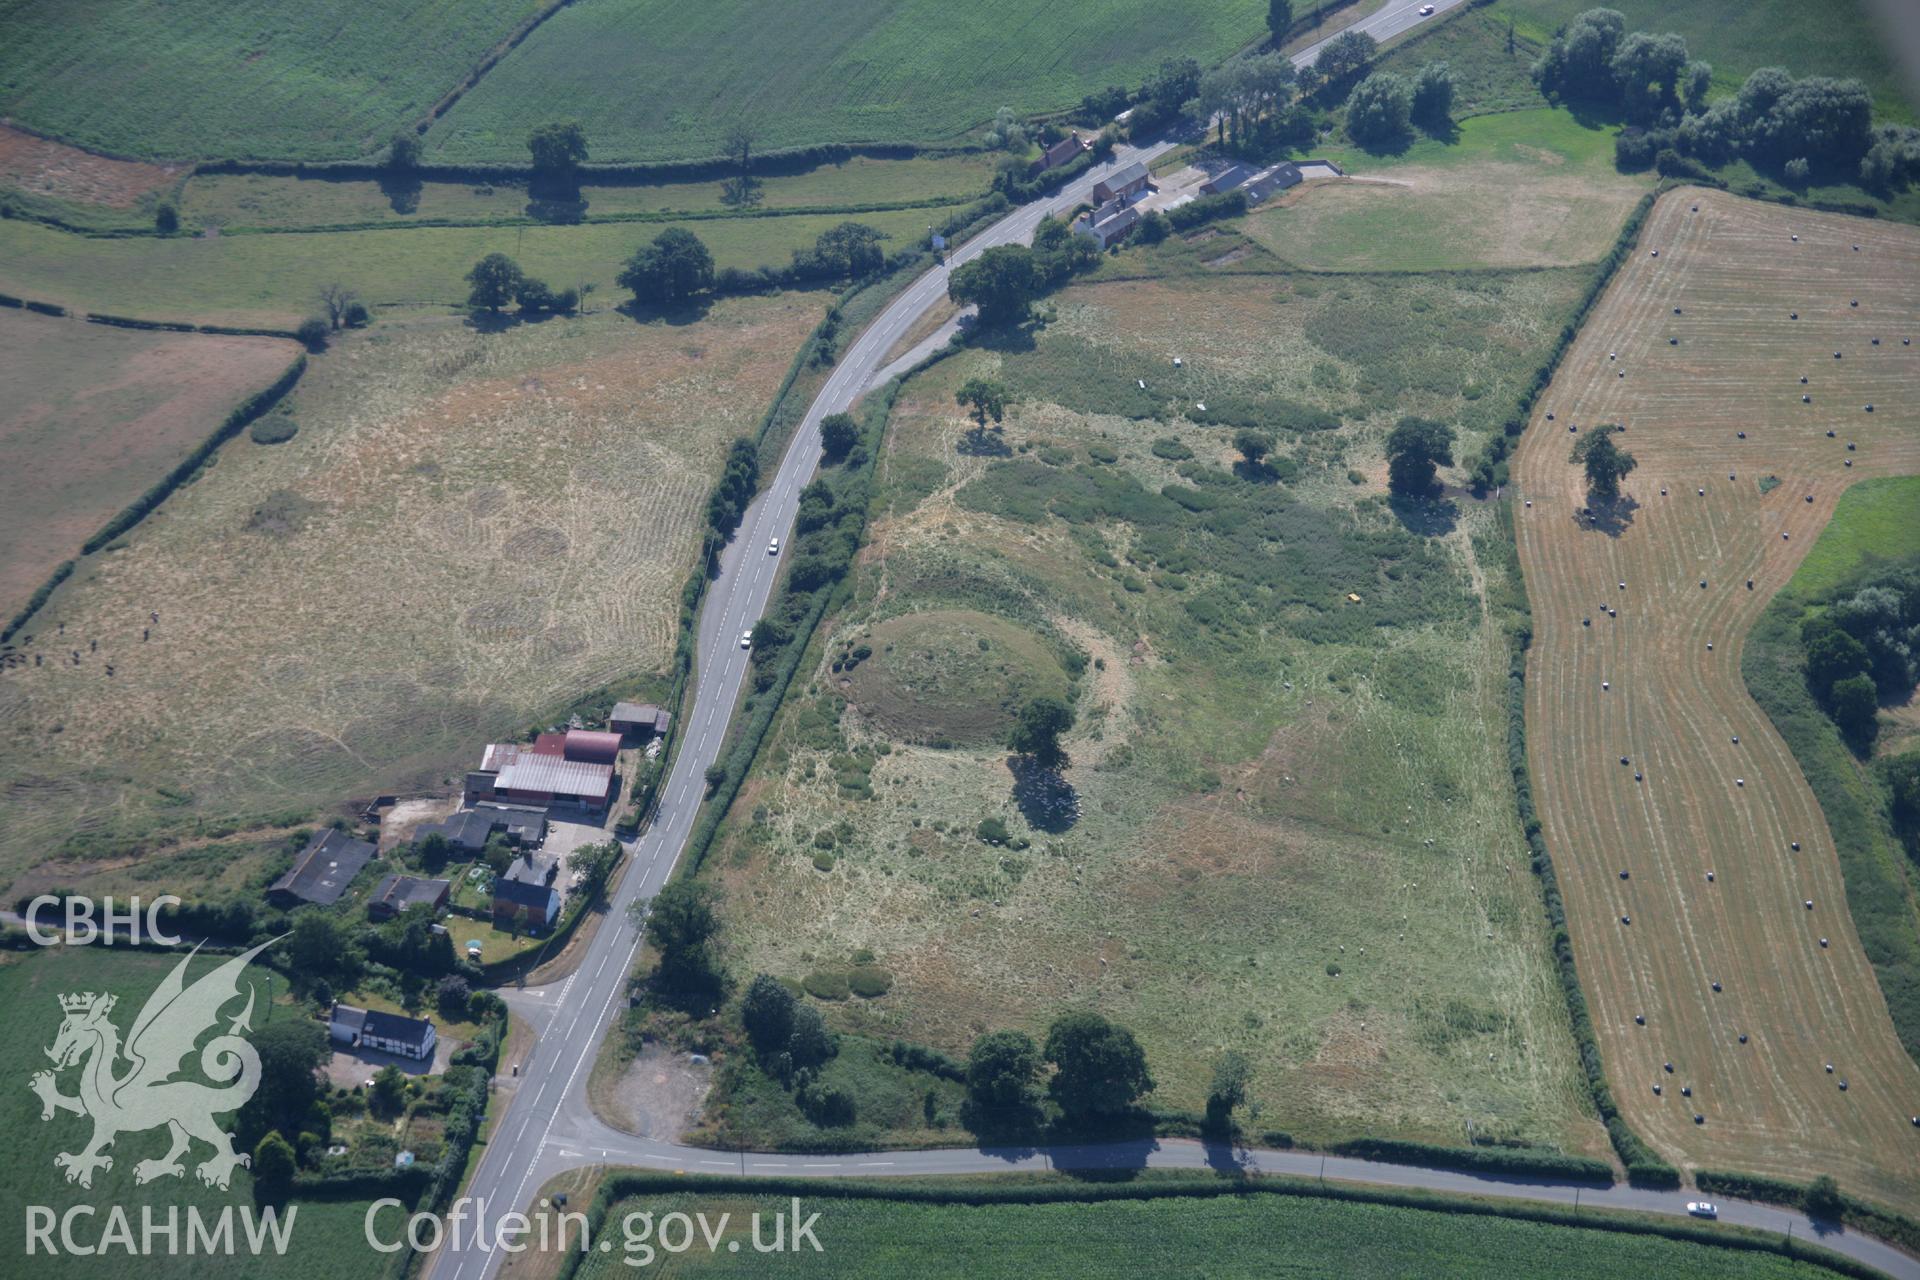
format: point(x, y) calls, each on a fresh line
point(951, 675)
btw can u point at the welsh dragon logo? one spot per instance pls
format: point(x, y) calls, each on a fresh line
point(146, 1094)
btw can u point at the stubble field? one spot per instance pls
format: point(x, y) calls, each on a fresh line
point(90, 417)
point(467, 532)
point(1721, 793)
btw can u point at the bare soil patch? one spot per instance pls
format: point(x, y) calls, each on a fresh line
point(68, 173)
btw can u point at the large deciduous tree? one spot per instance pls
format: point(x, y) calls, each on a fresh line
point(1002, 282)
point(1606, 463)
point(1100, 1069)
point(673, 269)
point(1415, 448)
point(495, 281)
point(1037, 729)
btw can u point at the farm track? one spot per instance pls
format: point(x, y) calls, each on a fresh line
point(1675, 707)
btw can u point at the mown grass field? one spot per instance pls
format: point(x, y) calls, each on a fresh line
point(326, 1235)
point(468, 532)
point(657, 81)
point(1518, 189)
point(1215, 1236)
point(268, 200)
point(245, 78)
point(1295, 834)
point(274, 279)
point(90, 417)
point(1725, 284)
point(1832, 38)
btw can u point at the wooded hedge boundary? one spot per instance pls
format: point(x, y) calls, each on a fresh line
point(1862, 1215)
point(1521, 1160)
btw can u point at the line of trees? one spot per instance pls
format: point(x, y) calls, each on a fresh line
point(1816, 127)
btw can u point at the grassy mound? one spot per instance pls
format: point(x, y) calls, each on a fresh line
point(953, 675)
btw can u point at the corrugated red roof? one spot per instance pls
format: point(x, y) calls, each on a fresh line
point(591, 745)
point(550, 744)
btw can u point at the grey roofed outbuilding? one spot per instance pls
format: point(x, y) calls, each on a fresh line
point(467, 830)
point(1278, 178)
point(396, 893)
point(524, 824)
point(347, 1019)
point(1227, 179)
point(321, 872)
point(640, 715)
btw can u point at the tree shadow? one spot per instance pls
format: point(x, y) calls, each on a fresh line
point(742, 191)
point(692, 311)
point(402, 190)
point(1228, 1156)
point(558, 211)
point(1610, 516)
point(981, 442)
point(483, 321)
point(1047, 801)
point(1446, 132)
point(1018, 337)
point(1431, 517)
point(1394, 146)
point(1256, 472)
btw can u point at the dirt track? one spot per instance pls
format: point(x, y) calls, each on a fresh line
point(1674, 707)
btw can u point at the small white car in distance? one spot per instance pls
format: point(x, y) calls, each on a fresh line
point(773, 547)
point(1703, 1208)
point(746, 639)
point(1426, 11)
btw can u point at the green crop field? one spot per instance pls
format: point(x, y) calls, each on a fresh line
point(657, 81)
point(1828, 38)
point(326, 1234)
point(466, 532)
point(274, 278)
point(1221, 1237)
point(1294, 834)
point(195, 79)
point(1690, 350)
point(1516, 189)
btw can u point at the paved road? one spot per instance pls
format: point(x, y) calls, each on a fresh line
point(546, 1127)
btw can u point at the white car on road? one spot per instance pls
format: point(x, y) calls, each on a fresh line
point(1703, 1208)
point(773, 547)
point(1426, 11)
point(746, 639)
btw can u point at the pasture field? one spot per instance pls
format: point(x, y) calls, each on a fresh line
point(660, 81)
point(1245, 1235)
point(325, 1233)
point(90, 417)
point(468, 532)
point(269, 200)
point(240, 78)
point(273, 279)
point(1833, 38)
point(1294, 831)
point(1528, 188)
point(1721, 792)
